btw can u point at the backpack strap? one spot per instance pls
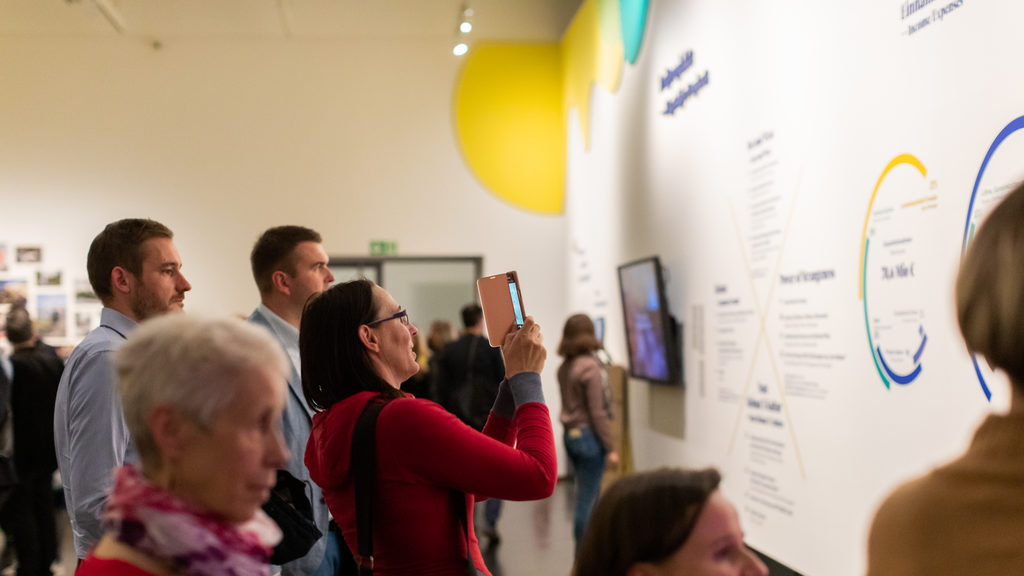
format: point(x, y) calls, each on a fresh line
point(364, 460)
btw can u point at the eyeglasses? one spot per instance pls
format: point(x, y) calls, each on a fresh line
point(402, 315)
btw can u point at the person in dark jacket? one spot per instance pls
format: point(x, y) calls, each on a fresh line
point(470, 372)
point(28, 514)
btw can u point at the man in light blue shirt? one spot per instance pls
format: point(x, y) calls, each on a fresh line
point(135, 270)
point(289, 265)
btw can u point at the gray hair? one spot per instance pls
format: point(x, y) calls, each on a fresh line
point(190, 363)
point(990, 288)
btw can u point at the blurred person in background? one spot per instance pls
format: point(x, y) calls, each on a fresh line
point(585, 415)
point(470, 372)
point(203, 400)
point(28, 514)
point(419, 383)
point(440, 335)
point(967, 517)
point(666, 522)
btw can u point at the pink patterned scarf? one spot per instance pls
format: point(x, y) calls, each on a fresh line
point(196, 542)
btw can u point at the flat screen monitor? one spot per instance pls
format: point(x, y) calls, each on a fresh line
point(649, 327)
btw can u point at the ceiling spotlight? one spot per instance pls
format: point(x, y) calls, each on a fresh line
point(460, 49)
point(466, 27)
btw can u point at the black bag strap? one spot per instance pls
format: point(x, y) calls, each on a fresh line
point(459, 505)
point(364, 460)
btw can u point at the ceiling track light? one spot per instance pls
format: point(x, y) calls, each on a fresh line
point(465, 26)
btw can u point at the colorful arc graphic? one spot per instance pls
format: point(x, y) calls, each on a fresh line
point(1013, 126)
point(881, 365)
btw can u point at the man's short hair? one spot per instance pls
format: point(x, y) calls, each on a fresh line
point(18, 326)
point(273, 252)
point(471, 315)
point(120, 244)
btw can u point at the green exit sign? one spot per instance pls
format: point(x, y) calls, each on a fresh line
point(383, 248)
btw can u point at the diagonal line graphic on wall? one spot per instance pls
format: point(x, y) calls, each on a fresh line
point(762, 335)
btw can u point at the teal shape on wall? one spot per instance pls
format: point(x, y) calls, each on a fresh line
point(632, 16)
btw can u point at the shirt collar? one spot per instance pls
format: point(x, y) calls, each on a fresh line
point(117, 321)
point(287, 334)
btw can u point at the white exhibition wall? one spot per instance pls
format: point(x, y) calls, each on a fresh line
point(816, 390)
point(221, 139)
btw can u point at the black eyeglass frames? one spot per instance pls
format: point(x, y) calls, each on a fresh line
point(402, 315)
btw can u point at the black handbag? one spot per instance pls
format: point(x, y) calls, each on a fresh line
point(290, 508)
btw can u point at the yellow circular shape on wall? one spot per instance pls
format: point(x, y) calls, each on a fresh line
point(509, 122)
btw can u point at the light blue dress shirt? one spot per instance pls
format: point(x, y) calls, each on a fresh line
point(296, 424)
point(287, 335)
point(89, 429)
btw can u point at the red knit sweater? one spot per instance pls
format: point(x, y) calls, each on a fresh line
point(423, 453)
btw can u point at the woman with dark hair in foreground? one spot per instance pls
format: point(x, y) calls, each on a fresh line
point(666, 522)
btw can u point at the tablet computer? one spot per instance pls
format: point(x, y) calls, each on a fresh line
point(502, 302)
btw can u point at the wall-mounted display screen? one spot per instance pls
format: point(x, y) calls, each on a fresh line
point(649, 328)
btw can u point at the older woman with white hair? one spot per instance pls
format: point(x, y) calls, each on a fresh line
point(203, 400)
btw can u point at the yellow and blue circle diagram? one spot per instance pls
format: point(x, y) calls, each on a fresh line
point(898, 268)
point(1000, 172)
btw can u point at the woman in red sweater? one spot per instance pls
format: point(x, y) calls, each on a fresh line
point(356, 345)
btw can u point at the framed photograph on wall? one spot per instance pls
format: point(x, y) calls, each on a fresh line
point(87, 318)
point(51, 315)
point(51, 278)
point(83, 292)
point(29, 254)
point(13, 290)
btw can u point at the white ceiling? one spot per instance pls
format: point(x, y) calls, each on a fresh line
point(529, 20)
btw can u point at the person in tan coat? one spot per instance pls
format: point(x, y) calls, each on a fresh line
point(967, 517)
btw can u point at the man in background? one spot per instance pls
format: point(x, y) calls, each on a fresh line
point(470, 373)
point(289, 265)
point(28, 515)
point(135, 270)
